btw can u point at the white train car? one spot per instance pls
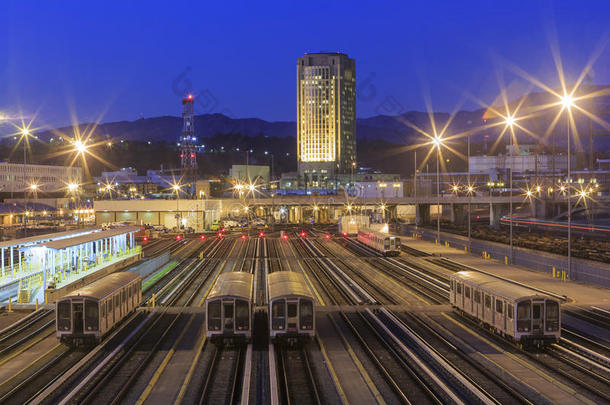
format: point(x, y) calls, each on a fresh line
point(383, 243)
point(291, 305)
point(88, 314)
point(515, 312)
point(228, 307)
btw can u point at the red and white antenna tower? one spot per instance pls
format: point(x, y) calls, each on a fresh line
point(188, 151)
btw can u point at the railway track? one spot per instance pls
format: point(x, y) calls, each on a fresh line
point(401, 377)
point(448, 383)
point(40, 326)
point(410, 277)
point(348, 290)
point(221, 383)
point(498, 390)
point(113, 376)
point(588, 381)
point(334, 292)
point(297, 383)
point(375, 293)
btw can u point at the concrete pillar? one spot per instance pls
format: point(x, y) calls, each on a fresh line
point(496, 211)
point(422, 214)
point(457, 214)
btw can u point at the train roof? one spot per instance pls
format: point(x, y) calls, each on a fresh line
point(105, 286)
point(377, 233)
point(233, 284)
point(78, 240)
point(287, 283)
point(498, 286)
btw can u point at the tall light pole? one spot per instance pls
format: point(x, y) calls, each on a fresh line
point(437, 142)
point(176, 187)
point(509, 121)
point(470, 189)
point(567, 101)
point(25, 133)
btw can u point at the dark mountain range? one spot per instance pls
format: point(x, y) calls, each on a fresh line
point(394, 129)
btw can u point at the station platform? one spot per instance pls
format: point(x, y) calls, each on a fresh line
point(74, 281)
point(576, 292)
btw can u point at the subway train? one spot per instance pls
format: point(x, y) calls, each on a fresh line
point(228, 307)
point(515, 312)
point(383, 243)
point(88, 314)
point(291, 306)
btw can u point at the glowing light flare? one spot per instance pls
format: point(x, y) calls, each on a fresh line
point(80, 146)
point(566, 101)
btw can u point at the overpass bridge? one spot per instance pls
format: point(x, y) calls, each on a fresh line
point(200, 214)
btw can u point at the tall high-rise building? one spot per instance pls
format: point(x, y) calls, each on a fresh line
point(326, 117)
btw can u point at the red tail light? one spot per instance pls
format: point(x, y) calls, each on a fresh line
point(327, 236)
point(220, 234)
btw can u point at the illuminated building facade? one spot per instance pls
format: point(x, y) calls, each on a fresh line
point(326, 117)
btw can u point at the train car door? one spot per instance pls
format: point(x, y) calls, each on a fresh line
point(228, 309)
point(77, 312)
point(292, 316)
point(537, 317)
point(505, 314)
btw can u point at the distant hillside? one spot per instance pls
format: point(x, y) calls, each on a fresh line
point(389, 128)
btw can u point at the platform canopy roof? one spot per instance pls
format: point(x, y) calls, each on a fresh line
point(48, 236)
point(79, 240)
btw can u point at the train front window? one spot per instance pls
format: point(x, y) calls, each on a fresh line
point(524, 312)
point(292, 310)
point(63, 315)
point(242, 316)
point(278, 314)
point(552, 316)
point(214, 315)
point(92, 319)
point(386, 244)
point(306, 308)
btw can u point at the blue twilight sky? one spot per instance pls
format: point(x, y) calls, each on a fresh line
point(121, 60)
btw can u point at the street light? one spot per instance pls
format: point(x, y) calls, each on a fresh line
point(437, 142)
point(567, 102)
point(509, 121)
point(25, 133)
point(80, 146)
